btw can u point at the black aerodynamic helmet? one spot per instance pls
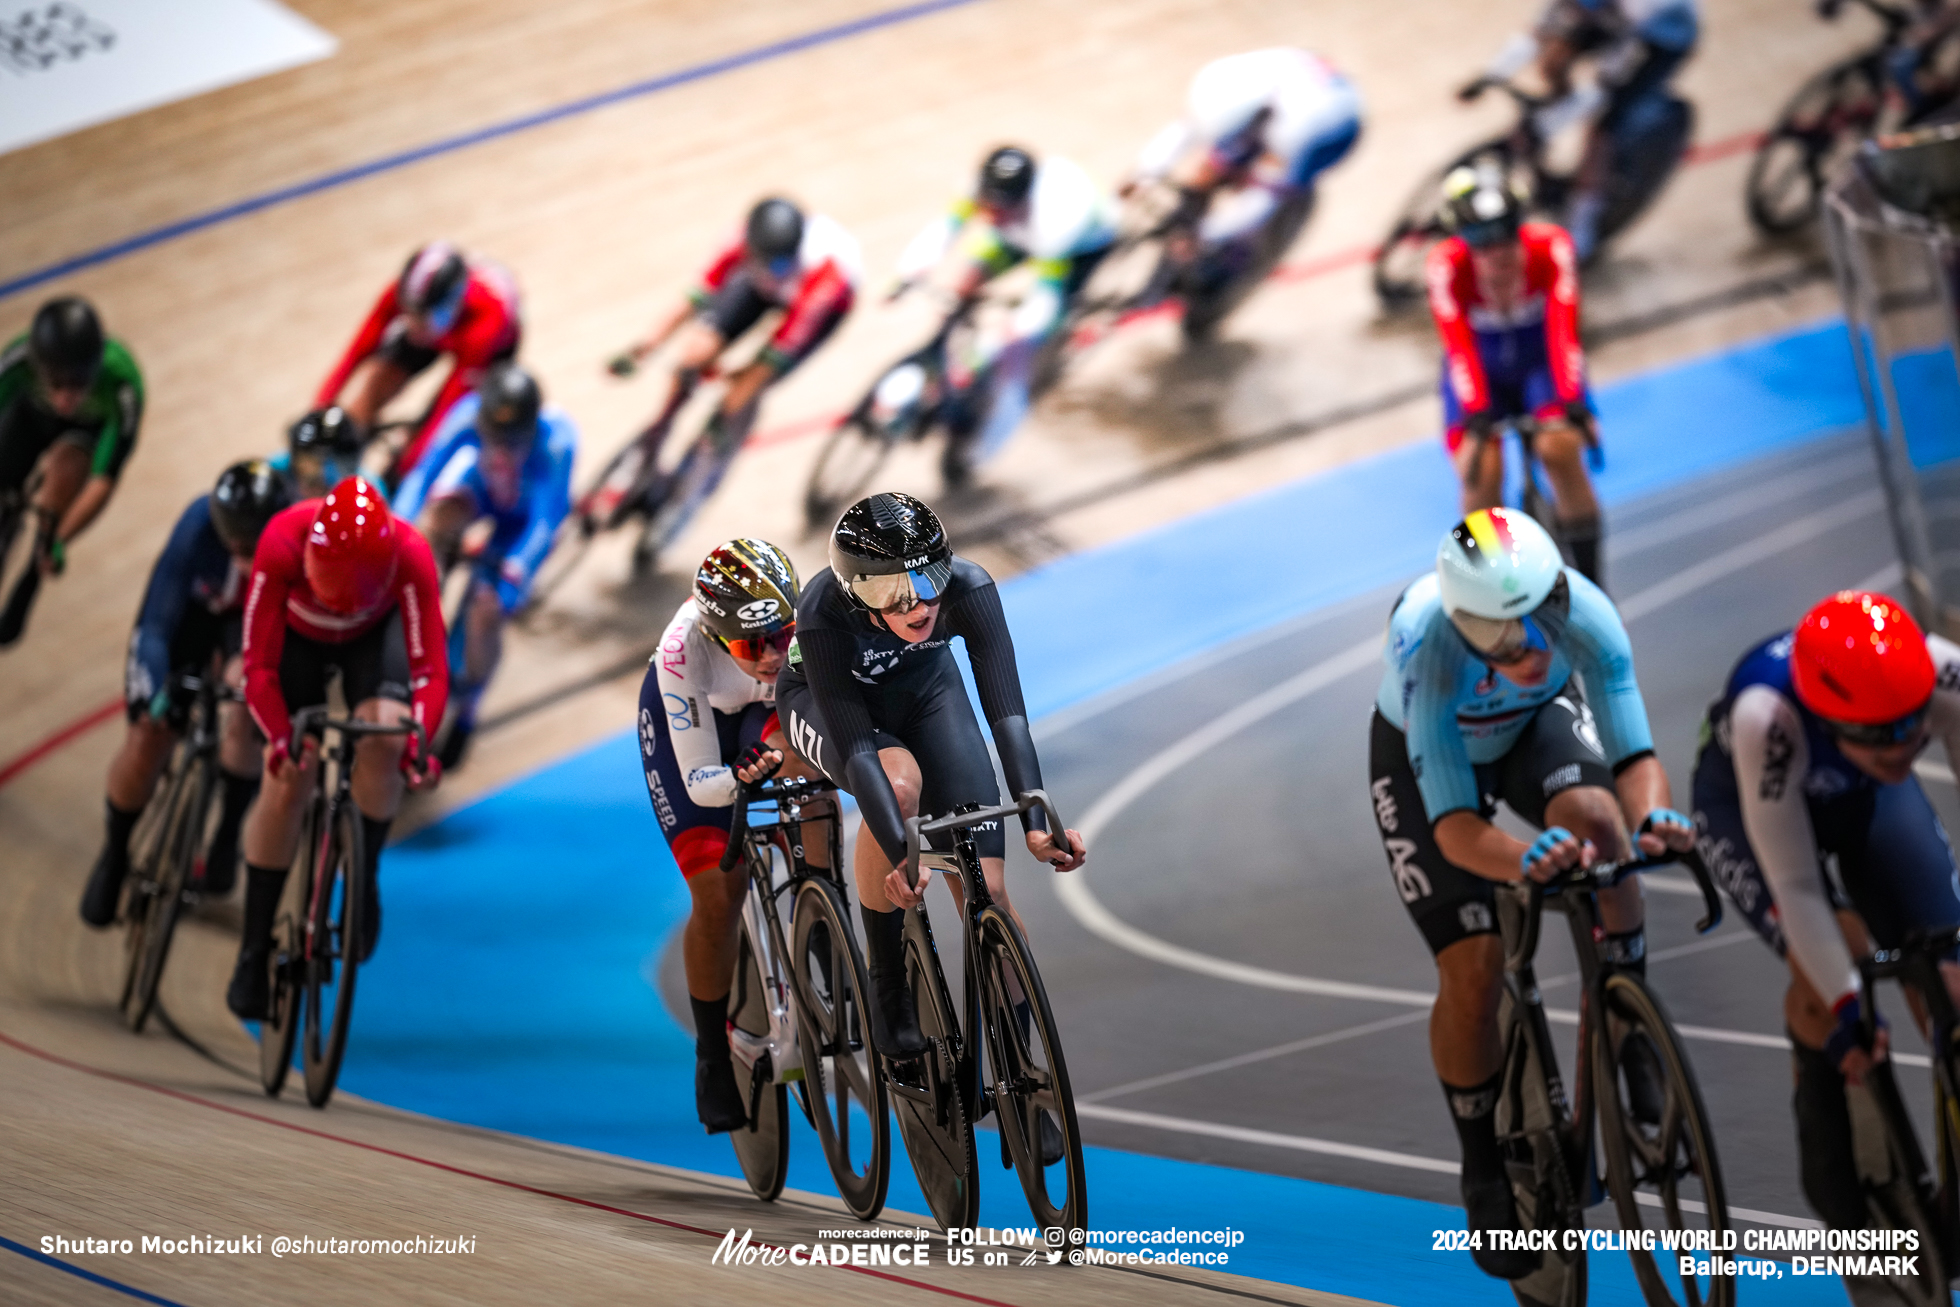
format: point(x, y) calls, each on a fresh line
point(745, 592)
point(891, 549)
point(509, 403)
point(774, 230)
point(65, 341)
point(247, 496)
point(1006, 176)
point(330, 430)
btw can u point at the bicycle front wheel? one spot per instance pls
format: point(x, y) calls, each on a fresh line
point(184, 829)
point(1033, 1104)
point(1817, 130)
point(332, 949)
point(280, 1030)
point(851, 456)
point(846, 1093)
point(1661, 1166)
point(761, 1146)
point(933, 1116)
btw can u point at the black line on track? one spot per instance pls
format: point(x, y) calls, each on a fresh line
point(177, 1033)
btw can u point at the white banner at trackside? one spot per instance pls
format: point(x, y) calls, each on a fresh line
point(74, 63)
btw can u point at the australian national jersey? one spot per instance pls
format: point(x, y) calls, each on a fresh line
point(1456, 711)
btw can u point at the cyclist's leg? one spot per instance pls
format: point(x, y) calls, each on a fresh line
point(1454, 910)
point(1562, 448)
point(132, 779)
point(239, 764)
point(1010, 370)
point(380, 377)
point(1479, 465)
point(66, 485)
point(1902, 878)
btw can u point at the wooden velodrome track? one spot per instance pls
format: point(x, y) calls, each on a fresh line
point(603, 215)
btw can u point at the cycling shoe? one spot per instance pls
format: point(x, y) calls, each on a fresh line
point(104, 890)
point(1488, 1205)
point(250, 994)
point(717, 1098)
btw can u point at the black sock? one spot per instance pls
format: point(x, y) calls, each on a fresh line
point(374, 834)
point(1475, 1112)
point(710, 1027)
point(263, 886)
point(237, 796)
point(119, 825)
point(1582, 537)
point(1627, 951)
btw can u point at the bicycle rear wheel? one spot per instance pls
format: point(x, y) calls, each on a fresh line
point(1030, 1076)
point(933, 1117)
point(148, 852)
point(184, 828)
point(327, 968)
point(1663, 1173)
point(846, 1093)
point(850, 457)
point(1893, 1168)
point(761, 1146)
point(1820, 126)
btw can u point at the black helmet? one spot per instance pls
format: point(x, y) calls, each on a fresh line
point(433, 278)
point(246, 497)
point(1006, 177)
point(66, 341)
point(1481, 205)
point(331, 431)
point(746, 592)
point(775, 230)
point(510, 402)
point(890, 549)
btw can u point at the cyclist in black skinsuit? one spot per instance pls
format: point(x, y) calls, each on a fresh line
point(872, 697)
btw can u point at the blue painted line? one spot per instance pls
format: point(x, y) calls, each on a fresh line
point(511, 992)
point(85, 1274)
point(452, 144)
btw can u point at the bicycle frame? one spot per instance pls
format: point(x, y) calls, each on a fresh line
point(778, 1054)
point(1916, 966)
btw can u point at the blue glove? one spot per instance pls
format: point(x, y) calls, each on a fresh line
point(162, 705)
point(1661, 817)
point(1542, 846)
point(1849, 1032)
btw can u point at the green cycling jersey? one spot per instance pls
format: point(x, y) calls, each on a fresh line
point(111, 411)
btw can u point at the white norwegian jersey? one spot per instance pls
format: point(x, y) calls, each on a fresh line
point(697, 679)
point(1309, 99)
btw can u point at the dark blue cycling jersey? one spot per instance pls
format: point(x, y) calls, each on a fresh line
point(194, 570)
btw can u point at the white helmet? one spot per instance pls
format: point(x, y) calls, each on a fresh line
point(1495, 568)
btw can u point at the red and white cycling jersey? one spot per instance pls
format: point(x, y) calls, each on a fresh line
point(1475, 332)
point(829, 266)
point(278, 598)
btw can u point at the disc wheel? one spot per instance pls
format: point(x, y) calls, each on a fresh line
point(1817, 130)
point(761, 1146)
point(328, 966)
point(1662, 1172)
point(1890, 1167)
point(280, 1029)
point(938, 1134)
point(1032, 1099)
point(184, 830)
point(850, 457)
point(845, 1092)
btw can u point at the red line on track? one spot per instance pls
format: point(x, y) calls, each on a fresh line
point(80, 726)
point(178, 1094)
point(1305, 270)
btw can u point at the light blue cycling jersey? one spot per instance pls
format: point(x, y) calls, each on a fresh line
point(1456, 712)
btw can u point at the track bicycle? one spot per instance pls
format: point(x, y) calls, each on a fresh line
point(1533, 497)
point(168, 844)
point(1834, 112)
point(1004, 1010)
point(18, 521)
point(1902, 1191)
point(316, 937)
point(633, 487)
point(797, 999)
point(1519, 154)
point(1659, 1156)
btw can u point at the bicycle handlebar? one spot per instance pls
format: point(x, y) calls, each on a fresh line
point(314, 721)
point(916, 830)
point(1890, 963)
point(1601, 875)
point(792, 789)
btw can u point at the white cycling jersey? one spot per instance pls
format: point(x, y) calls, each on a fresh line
point(1310, 101)
point(697, 679)
point(1067, 215)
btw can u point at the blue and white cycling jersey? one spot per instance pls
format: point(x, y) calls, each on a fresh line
point(1456, 712)
point(526, 508)
point(195, 569)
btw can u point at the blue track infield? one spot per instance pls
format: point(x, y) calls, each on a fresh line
point(510, 993)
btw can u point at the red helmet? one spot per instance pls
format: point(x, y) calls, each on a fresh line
point(1859, 659)
point(351, 548)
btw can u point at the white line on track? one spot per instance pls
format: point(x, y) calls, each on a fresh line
point(1081, 902)
point(1358, 1152)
